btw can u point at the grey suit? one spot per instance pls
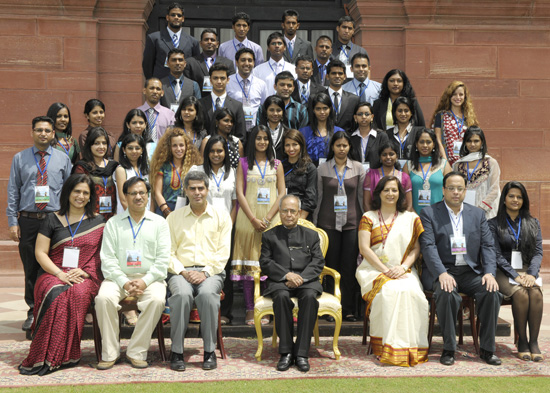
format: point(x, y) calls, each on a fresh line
point(196, 69)
point(314, 89)
point(480, 259)
point(301, 48)
point(347, 105)
point(235, 106)
point(188, 88)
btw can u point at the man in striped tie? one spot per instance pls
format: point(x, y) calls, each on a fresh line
point(158, 117)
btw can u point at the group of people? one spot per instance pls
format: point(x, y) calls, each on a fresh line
point(226, 147)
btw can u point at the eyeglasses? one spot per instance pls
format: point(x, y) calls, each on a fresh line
point(361, 114)
point(453, 189)
point(136, 193)
point(41, 130)
point(289, 211)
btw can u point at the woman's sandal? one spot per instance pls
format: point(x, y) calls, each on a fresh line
point(249, 318)
point(524, 356)
point(537, 357)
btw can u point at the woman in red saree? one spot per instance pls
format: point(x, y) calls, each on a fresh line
point(67, 249)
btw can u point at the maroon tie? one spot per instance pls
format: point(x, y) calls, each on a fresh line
point(42, 177)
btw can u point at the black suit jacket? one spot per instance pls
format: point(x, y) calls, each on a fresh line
point(301, 48)
point(196, 69)
point(314, 88)
point(348, 101)
point(157, 46)
point(235, 106)
point(404, 154)
point(435, 240)
point(189, 88)
point(296, 250)
point(316, 76)
point(380, 107)
point(371, 156)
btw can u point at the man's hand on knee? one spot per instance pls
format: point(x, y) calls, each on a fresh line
point(447, 282)
point(489, 280)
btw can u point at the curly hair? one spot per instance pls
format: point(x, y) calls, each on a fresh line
point(467, 106)
point(163, 152)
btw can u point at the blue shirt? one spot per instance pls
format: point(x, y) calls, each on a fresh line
point(23, 176)
point(257, 92)
point(229, 48)
point(317, 146)
point(370, 92)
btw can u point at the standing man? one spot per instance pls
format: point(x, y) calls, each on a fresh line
point(201, 243)
point(367, 90)
point(295, 46)
point(158, 44)
point(158, 117)
point(245, 88)
point(292, 260)
point(304, 86)
point(134, 259)
point(241, 26)
point(458, 251)
point(36, 177)
point(323, 51)
point(176, 86)
point(198, 66)
point(219, 76)
point(343, 102)
point(344, 49)
point(276, 64)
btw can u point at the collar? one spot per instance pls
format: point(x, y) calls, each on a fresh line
point(222, 97)
point(281, 62)
point(300, 84)
point(472, 157)
point(171, 78)
point(209, 211)
point(237, 76)
point(396, 129)
point(206, 57)
point(124, 216)
point(357, 81)
point(372, 133)
point(287, 40)
point(331, 92)
point(322, 65)
point(451, 210)
point(156, 107)
point(332, 163)
point(48, 150)
point(244, 42)
point(171, 33)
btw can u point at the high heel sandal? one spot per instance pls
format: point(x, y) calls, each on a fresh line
point(537, 357)
point(525, 356)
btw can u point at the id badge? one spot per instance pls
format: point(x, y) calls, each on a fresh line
point(366, 166)
point(206, 85)
point(133, 259)
point(402, 163)
point(174, 107)
point(219, 203)
point(105, 205)
point(470, 197)
point(70, 257)
point(349, 72)
point(263, 196)
point(458, 245)
point(181, 202)
point(322, 160)
point(248, 113)
point(456, 147)
point(517, 262)
point(166, 62)
point(340, 204)
point(41, 194)
point(424, 197)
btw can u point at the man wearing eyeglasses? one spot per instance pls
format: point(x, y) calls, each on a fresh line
point(36, 177)
point(135, 253)
point(291, 258)
point(458, 251)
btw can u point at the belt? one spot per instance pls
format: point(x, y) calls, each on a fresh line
point(35, 215)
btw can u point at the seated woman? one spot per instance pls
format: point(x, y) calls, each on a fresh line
point(396, 304)
point(518, 245)
point(60, 306)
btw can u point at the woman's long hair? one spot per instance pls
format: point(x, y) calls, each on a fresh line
point(337, 136)
point(198, 123)
point(94, 133)
point(68, 187)
point(407, 91)
point(470, 132)
point(251, 146)
point(467, 106)
point(146, 135)
point(272, 100)
point(415, 154)
point(322, 98)
point(54, 109)
point(143, 160)
point(304, 160)
point(206, 155)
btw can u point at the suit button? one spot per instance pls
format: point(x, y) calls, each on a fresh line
point(291, 259)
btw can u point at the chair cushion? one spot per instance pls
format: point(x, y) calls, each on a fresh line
point(327, 301)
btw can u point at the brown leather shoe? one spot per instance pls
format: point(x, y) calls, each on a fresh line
point(136, 363)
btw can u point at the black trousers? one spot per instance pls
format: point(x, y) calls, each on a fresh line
point(307, 315)
point(448, 303)
point(29, 231)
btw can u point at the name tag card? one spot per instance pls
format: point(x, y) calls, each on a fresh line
point(517, 262)
point(456, 148)
point(470, 197)
point(340, 204)
point(133, 259)
point(458, 245)
point(263, 197)
point(70, 257)
point(424, 197)
point(206, 85)
point(366, 166)
point(105, 205)
point(322, 160)
point(174, 107)
point(41, 194)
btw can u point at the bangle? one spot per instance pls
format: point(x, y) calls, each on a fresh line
point(164, 204)
point(252, 219)
point(404, 268)
point(266, 221)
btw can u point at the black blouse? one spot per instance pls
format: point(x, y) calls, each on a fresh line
point(303, 185)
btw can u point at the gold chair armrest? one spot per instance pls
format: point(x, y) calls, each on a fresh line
point(336, 276)
point(257, 276)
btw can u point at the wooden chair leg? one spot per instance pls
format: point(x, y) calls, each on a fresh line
point(220, 336)
point(160, 337)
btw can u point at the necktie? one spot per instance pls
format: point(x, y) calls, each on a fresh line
point(42, 177)
point(361, 91)
point(175, 40)
point(177, 88)
point(322, 73)
point(336, 102)
point(209, 61)
point(152, 120)
point(218, 103)
point(290, 49)
point(344, 54)
point(304, 94)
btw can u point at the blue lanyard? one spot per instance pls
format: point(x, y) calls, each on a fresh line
point(343, 49)
point(291, 169)
point(151, 126)
point(105, 179)
point(274, 73)
point(361, 91)
point(383, 174)
point(73, 234)
point(132, 226)
point(194, 135)
point(138, 174)
point(468, 170)
point(337, 110)
point(177, 173)
point(457, 224)
point(38, 165)
point(402, 144)
point(218, 183)
point(340, 179)
point(235, 46)
point(63, 147)
point(425, 175)
point(322, 70)
point(214, 103)
point(459, 126)
point(516, 234)
point(241, 84)
point(305, 98)
point(265, 168)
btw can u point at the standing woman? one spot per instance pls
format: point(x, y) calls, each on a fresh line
point(173, 157)
point(366, 140)
point(395, 84)
point(189, 117)
point(260, 186)
point(426, 169)
point(401, 135)
point(94, 110)
point(136, 123)
point(66, 286)
point(390, 166)
point(339, 185)
point(300, 173)
point(321, 128)
point(452, 116)
point(225, 127)
point(272, 117)
point(481, 171)
point(518, 245)
point(63, 127)
point(101, 170)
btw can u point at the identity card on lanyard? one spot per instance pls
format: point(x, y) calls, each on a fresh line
point(105, 202)
point(41, 193)
point(133, 256)
point(470, 194)
point(182, 199)
point(340, 201)
point(458, 242)
point(264, 193)
point(71, 254)
point(517, 261)
point(460, 129)
point(425, 195)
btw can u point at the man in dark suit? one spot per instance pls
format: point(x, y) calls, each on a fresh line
point(323, 50)
point(219, 76)
point(458, 251)
point(343, 102)
point(176, 86)
point(344, 49)
point(159, 43)
point(198, 66)
point(295, 46)
point(291, 258)
point(304, 86)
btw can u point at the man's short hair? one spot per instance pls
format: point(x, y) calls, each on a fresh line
point(274, 35)
point(335, 64)
point(360, 56)
point(132, 182)
point(323, 38)
point(245, 50)
point(290, 196)
point(196, 175)
point(283, 75)
point(240, 16)
point(453, 173)
point(175, 5)
point(304, 58)
point(175, 51)
point(39, 119)
point(208, 30)
point(291, 13)
point(149, 80)
point(345, 18)
point(218, 67)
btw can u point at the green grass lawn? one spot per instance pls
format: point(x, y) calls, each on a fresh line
point(363, 385)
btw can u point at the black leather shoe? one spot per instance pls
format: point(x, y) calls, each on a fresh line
point(302, 364)
point(28, 323)
point(489, 358)
point(350, 318)
point(176, 362)
point(210, 362)
point(285, 361)
point(329, 318)
point(447, 358)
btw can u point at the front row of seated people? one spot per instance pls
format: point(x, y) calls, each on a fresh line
point(135, 252)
